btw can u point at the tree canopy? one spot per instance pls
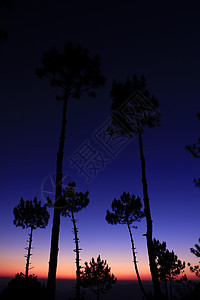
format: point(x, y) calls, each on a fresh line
point(73, 71)
point(97, 275)
point(169, 266)
point(194, 149)
point(73, 201)
point(133, 108)
point(31, 214)
point(126, 210)
point(196, 252)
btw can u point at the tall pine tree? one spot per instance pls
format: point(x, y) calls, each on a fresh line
point(75, 73)
point(133, 110)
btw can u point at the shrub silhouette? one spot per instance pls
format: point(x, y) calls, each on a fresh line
point(23, 288)
point(97, 276)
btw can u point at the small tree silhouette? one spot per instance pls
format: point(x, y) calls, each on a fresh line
point(196, 252)
point(194, 149)
point(127, 210)
point(97, 275)
point(74, 202)
point(75, 73)
point(23, 288)
point(30, 214)
point(168, 264)
point(134, 109)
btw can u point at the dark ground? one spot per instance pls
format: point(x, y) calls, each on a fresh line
point(122, 290)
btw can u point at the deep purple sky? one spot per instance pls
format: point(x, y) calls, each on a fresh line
point(160, 41)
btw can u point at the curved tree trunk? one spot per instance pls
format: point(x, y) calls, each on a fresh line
point(51, 282)
point(135, 264)
point(77, 250)
point(153, 268)
point(28, 256)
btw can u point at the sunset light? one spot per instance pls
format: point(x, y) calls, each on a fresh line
point(100, 148)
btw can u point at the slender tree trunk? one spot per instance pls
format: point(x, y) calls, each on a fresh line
point(166, 290)
point(153, 268)
point(135, 264)
point(170, 285)
point(98, 291)
point(51, 282)
point(28, 256)
point(77, 250)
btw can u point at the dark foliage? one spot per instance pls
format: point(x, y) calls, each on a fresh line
point(133, 110)
point(23, 288)
point(196, 252)
point(195, 269)
point(73, 71)
point(169, 266)
point(31, 214)
point(97, 276)
point(194, 149)
point(133, 107)
point(73, 202)
point(126, 210)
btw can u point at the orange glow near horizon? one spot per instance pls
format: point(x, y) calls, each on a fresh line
point(66, 270)
point(123, 269)
point(12, 268)
point(121, 277)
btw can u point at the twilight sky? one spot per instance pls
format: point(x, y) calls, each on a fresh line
point(161, 42)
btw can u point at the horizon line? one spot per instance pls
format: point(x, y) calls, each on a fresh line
point(69, 278)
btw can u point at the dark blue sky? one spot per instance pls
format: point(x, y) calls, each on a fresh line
point(159, 41)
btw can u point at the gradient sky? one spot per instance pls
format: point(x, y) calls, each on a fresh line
point(158, 40)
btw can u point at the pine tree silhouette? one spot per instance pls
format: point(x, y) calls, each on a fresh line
point(127, 210)
point(75, 73)
point(97, 275)
point(196, 252)
point(194, 149)
point(134, 109)
point(30, 214)
point(74, 202)
point(168, 264)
